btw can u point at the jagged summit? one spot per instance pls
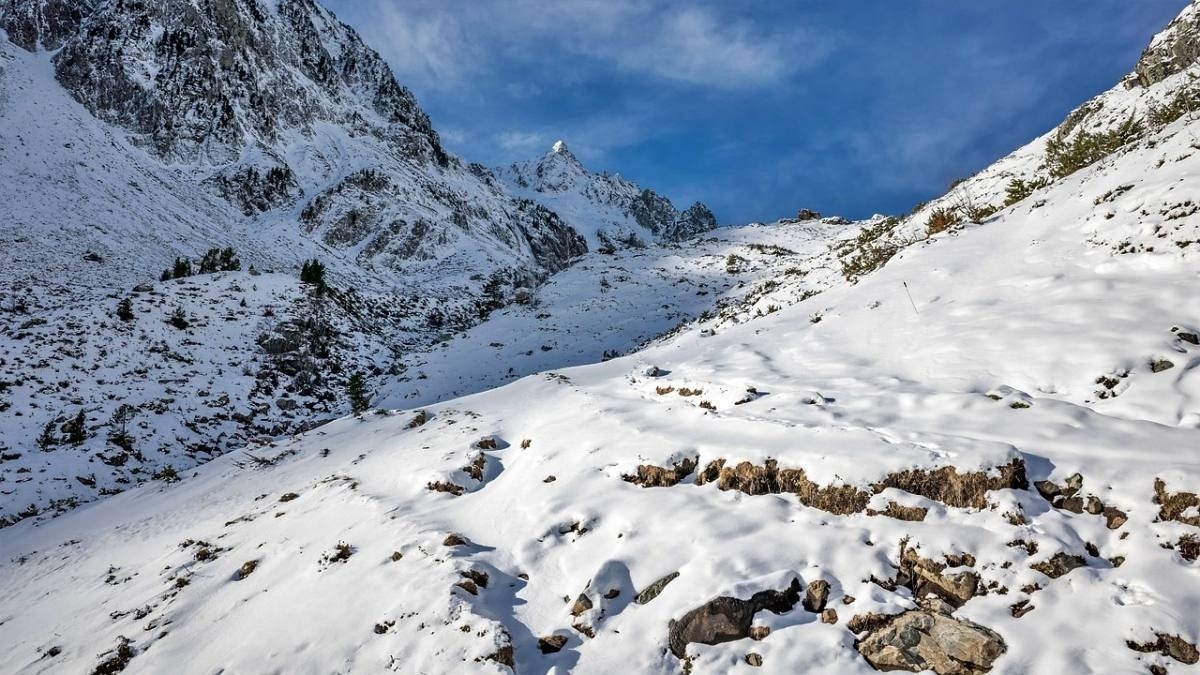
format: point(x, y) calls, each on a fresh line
point(608, 210)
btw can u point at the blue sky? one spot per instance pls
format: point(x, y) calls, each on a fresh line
point(759, 108)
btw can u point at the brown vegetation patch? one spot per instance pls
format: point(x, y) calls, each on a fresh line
point(1168, 645)
point(1172, 506)
point(649, 475)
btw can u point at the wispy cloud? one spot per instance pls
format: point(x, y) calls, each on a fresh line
point(441, 44)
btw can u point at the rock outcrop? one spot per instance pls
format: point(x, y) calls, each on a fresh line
point(919, 640)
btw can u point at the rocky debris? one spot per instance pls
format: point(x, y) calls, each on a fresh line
point(945, 484)
point(1168, 645)
point(1178, 506)
point(829, 616)
point(453, 540)
point(726, 618)
point(582, 604)
point(446, 486)
point(1021, 608)
point(246, 570)
point(649, 475)
point(1060, 564)
point(1068, 498)
point(551, 644)
point(918, 640)
point(759, 633)
point(504, 652)
point(816, 595)
point(926, 577)
point(121, 656)
point(477, 577)
point(807, 214)
point(754, 659)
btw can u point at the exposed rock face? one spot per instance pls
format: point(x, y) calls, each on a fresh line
point(236, 69)
point(265, 103)
point(726, 618)
point(1171, 52)
point(695, 219)
point(44, 23)
point(919, 640)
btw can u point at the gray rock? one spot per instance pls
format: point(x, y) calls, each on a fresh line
point(653, 590)
point(918, 640)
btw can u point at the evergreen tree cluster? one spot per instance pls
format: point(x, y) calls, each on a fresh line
point(213, 260)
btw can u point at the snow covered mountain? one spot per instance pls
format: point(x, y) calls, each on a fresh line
point(925, 444)
point(608, 210)
point(279, 111)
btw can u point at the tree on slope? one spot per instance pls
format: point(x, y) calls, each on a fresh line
point(356, 391)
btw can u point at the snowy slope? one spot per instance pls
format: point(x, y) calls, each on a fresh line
point(608, 210)
point(988, 349)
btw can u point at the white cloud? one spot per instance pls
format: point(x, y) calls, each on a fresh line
point(444, 44)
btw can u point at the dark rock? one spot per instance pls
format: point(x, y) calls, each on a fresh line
point(551, 644)
point(726, 618)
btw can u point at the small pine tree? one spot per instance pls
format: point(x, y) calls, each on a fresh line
point(312, 272)
point(356, 391)
point(120, 427)
point(76, 429)
point(211, 261)
point(47, 439)
point(181, 269)
point(229, 261)
point(125, 310)
point(179, 319)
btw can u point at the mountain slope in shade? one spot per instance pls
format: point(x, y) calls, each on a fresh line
point(610, 211)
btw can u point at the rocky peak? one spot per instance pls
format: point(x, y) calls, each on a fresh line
point(1171, 51)
point(197, 81)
